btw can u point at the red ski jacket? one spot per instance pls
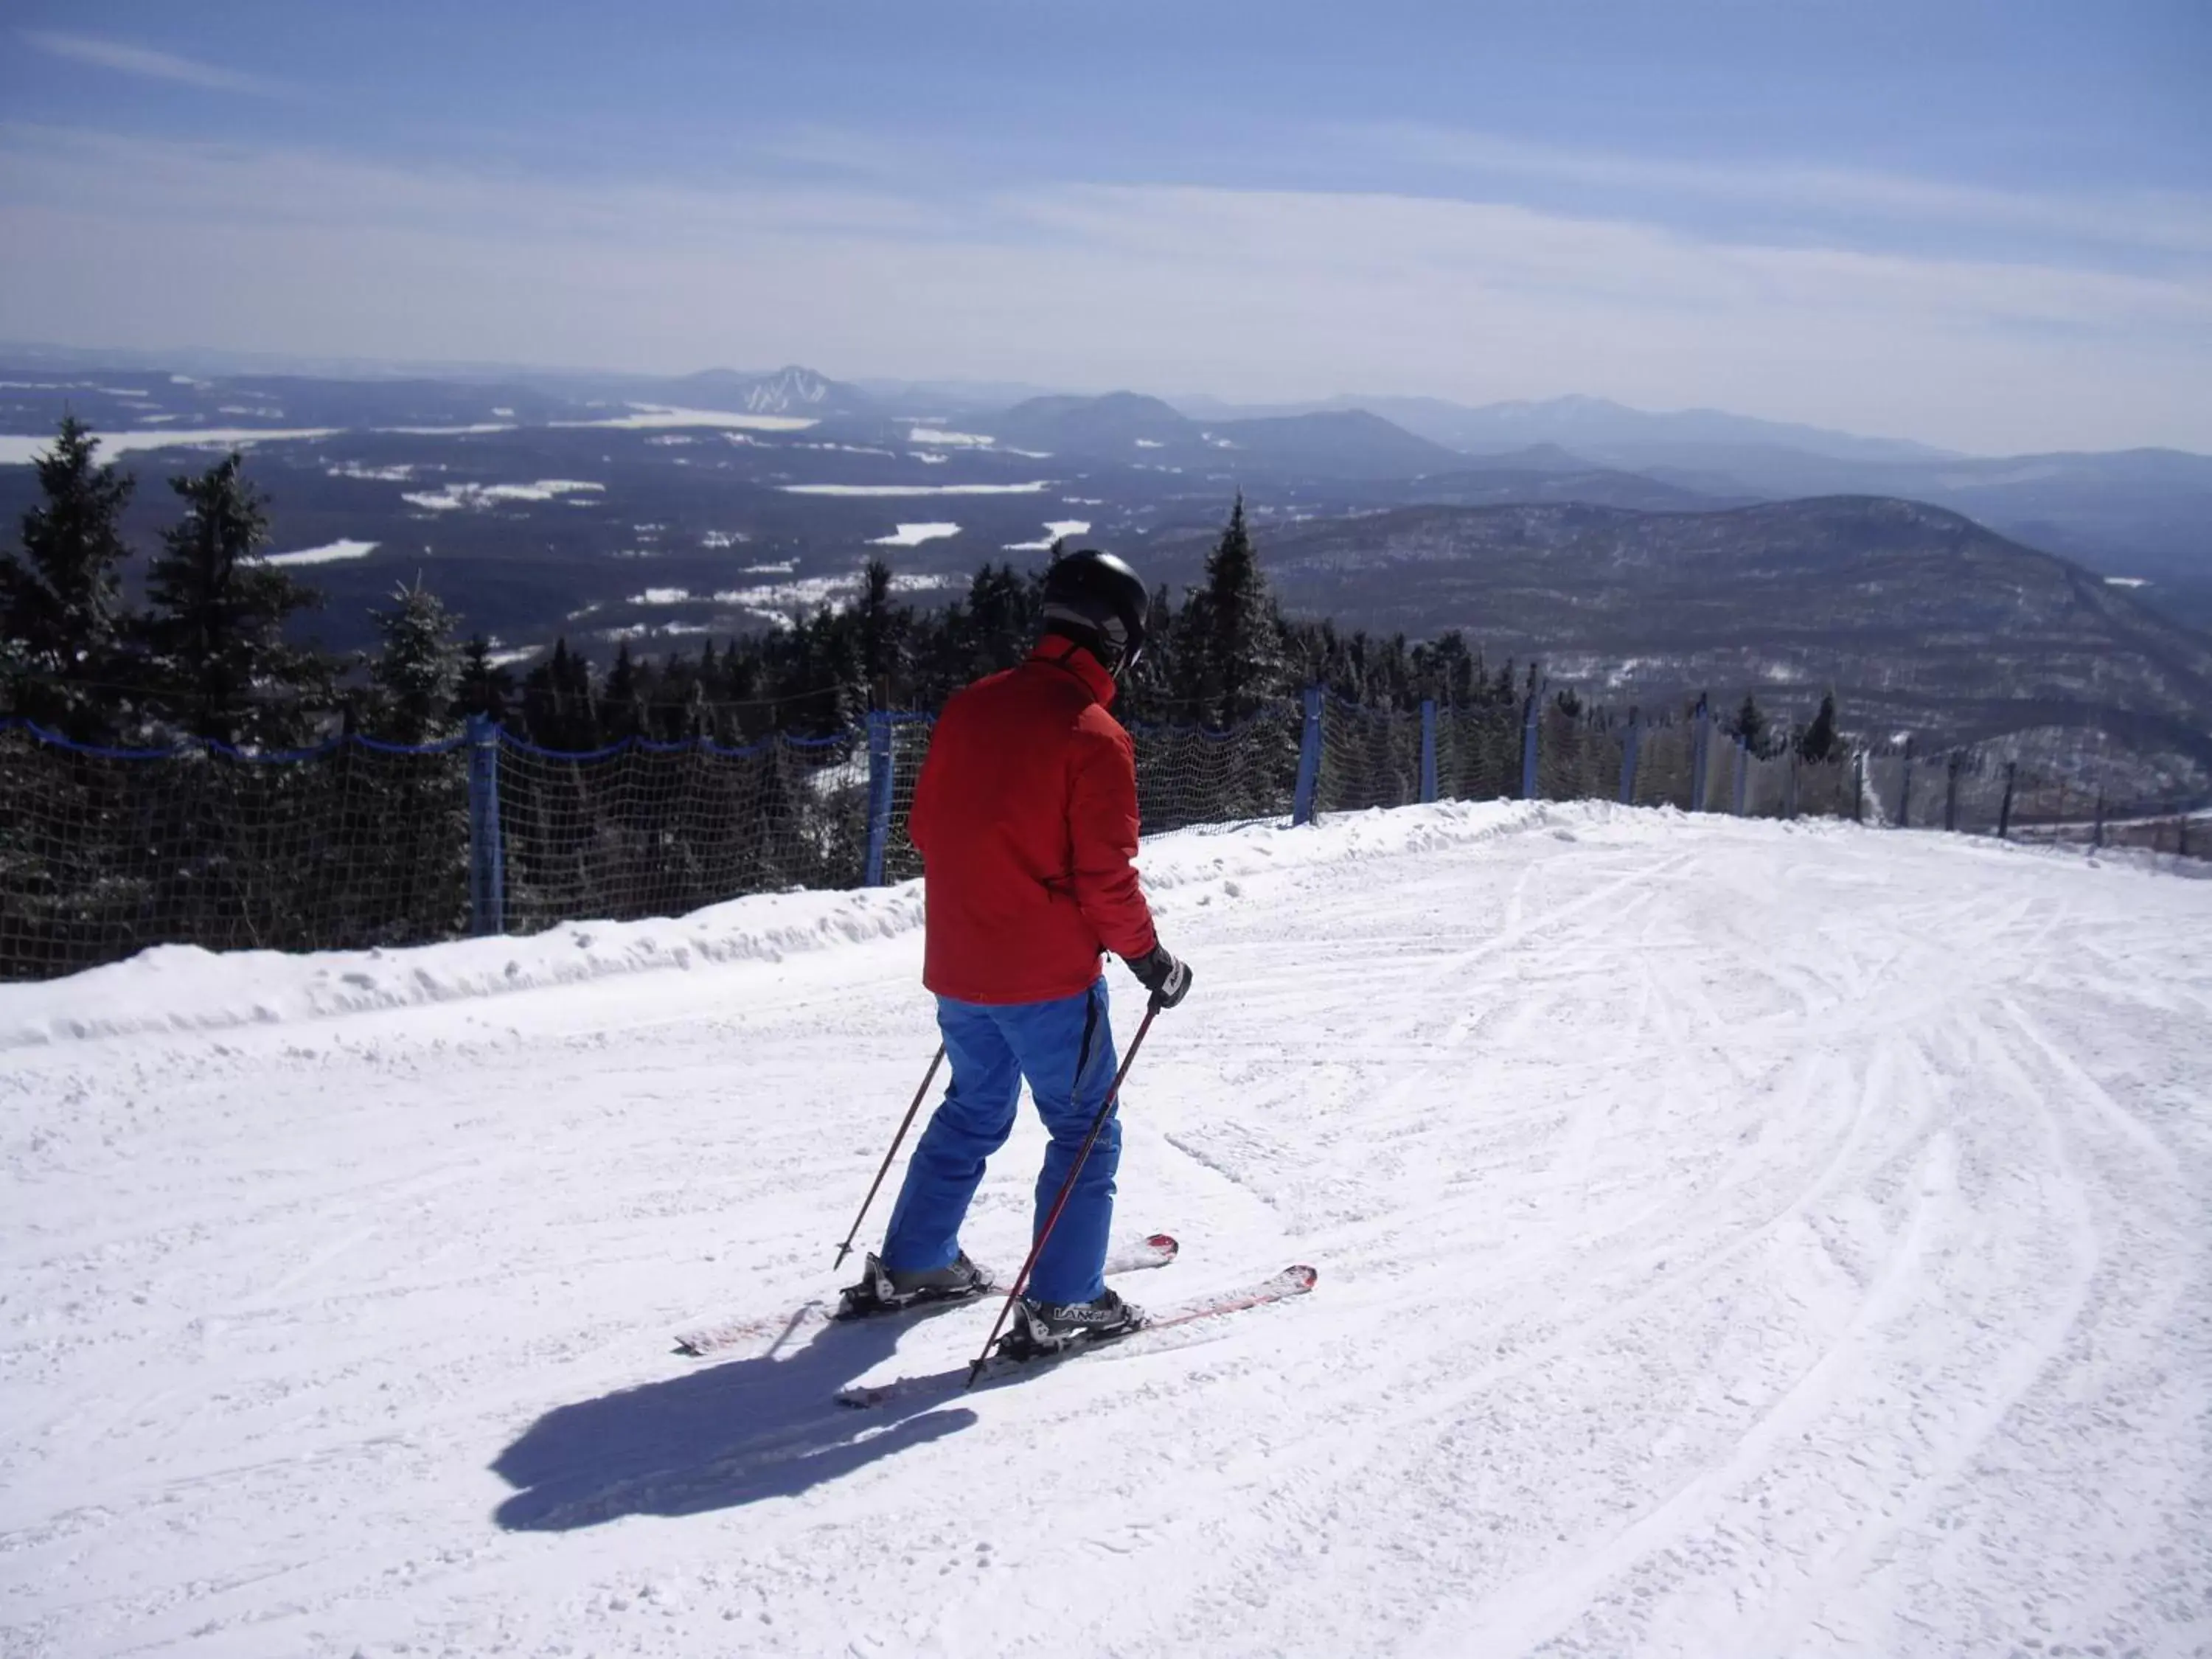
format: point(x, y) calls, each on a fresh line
point(1025, 817)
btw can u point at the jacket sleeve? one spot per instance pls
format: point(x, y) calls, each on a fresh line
point(1102, 821)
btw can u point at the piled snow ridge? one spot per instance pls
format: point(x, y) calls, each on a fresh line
point(182, 987)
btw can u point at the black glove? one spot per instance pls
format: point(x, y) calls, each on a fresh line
point(1168, 980)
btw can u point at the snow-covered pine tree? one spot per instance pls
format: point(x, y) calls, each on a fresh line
point(1244, 659)
point(217, 661)
point(622, 708)
point(485, 687)
point(60, 605)
point(418, 672)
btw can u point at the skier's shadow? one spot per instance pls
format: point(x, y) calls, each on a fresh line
point(714, 1436)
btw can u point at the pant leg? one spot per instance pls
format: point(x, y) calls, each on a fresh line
point(970, 1123)
point(1065, 1049)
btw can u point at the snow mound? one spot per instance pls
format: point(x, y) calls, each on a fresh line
point(181, 987)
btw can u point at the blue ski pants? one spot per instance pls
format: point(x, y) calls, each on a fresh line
point(1064, 1047)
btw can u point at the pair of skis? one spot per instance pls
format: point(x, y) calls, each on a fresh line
point(1291, 1281)
point(1157, 1251)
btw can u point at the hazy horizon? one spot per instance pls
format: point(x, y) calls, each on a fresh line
point(211, 361)
point(1981, 229)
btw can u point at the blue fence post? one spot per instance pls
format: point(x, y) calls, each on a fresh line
point(1905, 795)
point(1428, 749)
point(1700, 752)
point(879, 795)
point(1529, 724)
point(1742, 771)
point(487, 858)
point(1628, 760)
point(1302, 804)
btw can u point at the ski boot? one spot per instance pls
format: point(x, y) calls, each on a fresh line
point(888, 1290)
point(1051, 1327)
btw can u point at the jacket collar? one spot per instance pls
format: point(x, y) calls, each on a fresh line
point(1065, 653)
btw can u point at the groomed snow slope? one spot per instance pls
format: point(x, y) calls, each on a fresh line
point(1735, 1238)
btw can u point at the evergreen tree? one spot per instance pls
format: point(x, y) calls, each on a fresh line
point(622, 707)
point(217, 661)
point(676, 706)
point(485, 687)
point(1004, 609)
point(1183, 686)
point(1244, 659)
point(418, 670)
point(883, 629)
point(60, 607)
point(559, 711)
point(1750, 724)
point(1819, 741)
point(1148, 689)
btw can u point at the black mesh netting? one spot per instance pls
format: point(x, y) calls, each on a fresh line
point(1478, 754)
point(909, 738)
point(1188, 775)
point(356, 843)
point(658, 829)
point(1664, 757)
point(1578, 757)
point(105, 851)
point(1369, 757)
point(1770, 786)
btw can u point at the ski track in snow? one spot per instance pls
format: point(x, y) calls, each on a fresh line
point(1735, 1238)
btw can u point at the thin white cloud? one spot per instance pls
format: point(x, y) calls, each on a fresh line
point(1254, 295)
point(146, 63)
point(2167, 221)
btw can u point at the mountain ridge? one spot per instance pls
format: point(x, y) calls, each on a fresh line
point(1921, 618)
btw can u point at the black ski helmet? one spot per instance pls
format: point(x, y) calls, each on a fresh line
point(1100, 596)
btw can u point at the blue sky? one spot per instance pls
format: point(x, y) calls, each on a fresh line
point(1987, 226)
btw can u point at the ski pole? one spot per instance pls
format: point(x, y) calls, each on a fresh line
point(1066, 1187)
point(897, 1140)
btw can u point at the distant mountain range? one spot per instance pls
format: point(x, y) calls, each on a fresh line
point(1919, 618)
point(1596, 428)
point(1645, 548)
point(1126, 426)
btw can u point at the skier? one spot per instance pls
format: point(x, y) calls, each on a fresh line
point(1025, 816)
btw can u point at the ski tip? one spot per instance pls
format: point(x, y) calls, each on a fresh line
point(1164, 1243)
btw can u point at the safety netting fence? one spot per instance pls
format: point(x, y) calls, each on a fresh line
point(1190, 774)
point(641, 828)
point(355, 843)
point(106, 851)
